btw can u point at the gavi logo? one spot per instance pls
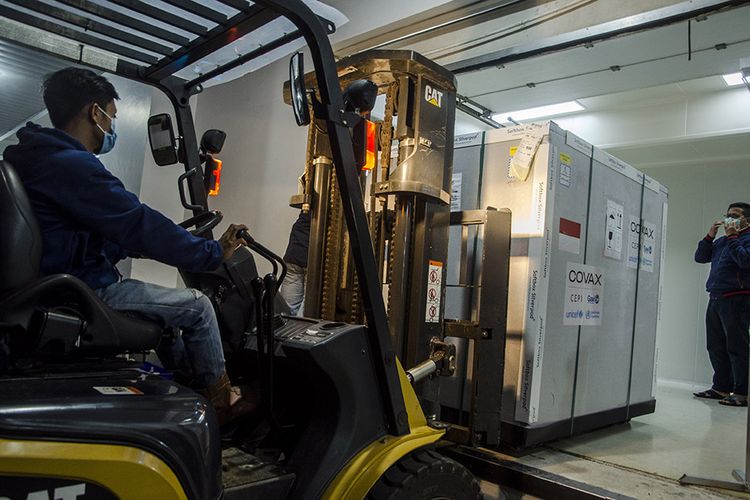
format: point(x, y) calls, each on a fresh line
point(433, 96)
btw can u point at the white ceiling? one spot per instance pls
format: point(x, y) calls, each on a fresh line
point(646, 59)
point(654, 70)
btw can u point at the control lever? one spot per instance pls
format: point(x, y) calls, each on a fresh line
point(269, 296)
point(264, 293)
point(268, 255)
point(258, 294)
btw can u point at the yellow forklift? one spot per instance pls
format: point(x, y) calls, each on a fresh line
point(80, 419)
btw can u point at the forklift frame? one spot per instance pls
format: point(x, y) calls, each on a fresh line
point(132, 56)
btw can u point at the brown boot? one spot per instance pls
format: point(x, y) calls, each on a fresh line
point(219, 394)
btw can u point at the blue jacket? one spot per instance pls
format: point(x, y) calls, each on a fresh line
point(299, 241)
point(730, 262)
point(88, 220)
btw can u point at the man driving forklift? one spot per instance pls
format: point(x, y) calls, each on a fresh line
point(89, 222)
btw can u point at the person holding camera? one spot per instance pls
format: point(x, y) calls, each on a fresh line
point(728, 312)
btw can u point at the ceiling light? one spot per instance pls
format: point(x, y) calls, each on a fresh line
point(538, 112)
point(733, 79)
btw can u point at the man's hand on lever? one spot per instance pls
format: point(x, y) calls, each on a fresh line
point(231, 240)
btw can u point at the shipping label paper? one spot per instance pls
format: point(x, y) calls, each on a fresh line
point(456, 192)
point(584, 293)
point(434, 281)
point(613, 233)
point(511, 153)
point(520, 165)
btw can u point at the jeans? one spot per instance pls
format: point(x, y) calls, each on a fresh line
point(293, 288)
point(197, 353)
point(727, 323)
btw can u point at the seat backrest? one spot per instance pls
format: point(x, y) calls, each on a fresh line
point(20, 238)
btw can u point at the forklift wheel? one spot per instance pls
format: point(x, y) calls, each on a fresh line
point(425, 474)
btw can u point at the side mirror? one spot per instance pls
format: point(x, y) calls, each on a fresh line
point(298, 91)
point(162, 141)
point(212, 141)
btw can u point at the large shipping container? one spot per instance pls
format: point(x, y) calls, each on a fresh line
point(588, 234)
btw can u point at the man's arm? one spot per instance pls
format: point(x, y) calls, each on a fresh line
point(739, 250)
point(706, 246)
point(100, 202)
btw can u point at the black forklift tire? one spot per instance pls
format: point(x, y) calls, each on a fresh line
point(425, 474)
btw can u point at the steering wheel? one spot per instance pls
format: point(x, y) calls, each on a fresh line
point(202, 222)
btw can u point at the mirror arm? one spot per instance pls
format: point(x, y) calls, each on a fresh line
point(332, 113)
point(180, 149)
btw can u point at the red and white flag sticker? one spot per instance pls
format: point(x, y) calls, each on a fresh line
point(570, 236)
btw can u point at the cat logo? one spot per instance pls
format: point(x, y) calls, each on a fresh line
point(433, 96)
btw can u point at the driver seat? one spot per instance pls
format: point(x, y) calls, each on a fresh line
point(56, 316)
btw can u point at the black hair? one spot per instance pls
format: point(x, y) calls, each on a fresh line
point(67, 91)
point(744, 206)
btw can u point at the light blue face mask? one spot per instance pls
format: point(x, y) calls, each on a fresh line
point(109, 137)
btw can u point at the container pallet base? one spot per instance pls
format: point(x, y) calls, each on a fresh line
point(519, 436)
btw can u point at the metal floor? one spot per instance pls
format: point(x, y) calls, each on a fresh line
point(644, 459)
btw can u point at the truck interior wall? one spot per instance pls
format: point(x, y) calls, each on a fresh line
point(263, 154)
point(698, 195)
point(158, 189)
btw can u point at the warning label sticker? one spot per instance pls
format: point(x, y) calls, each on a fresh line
point(118, 390)
point(434, 296)
point(613, 232)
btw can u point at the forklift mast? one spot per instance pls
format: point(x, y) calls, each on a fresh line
point(408, 200)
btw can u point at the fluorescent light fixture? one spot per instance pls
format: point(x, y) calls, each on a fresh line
point(733, 79)
point(539, 112)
